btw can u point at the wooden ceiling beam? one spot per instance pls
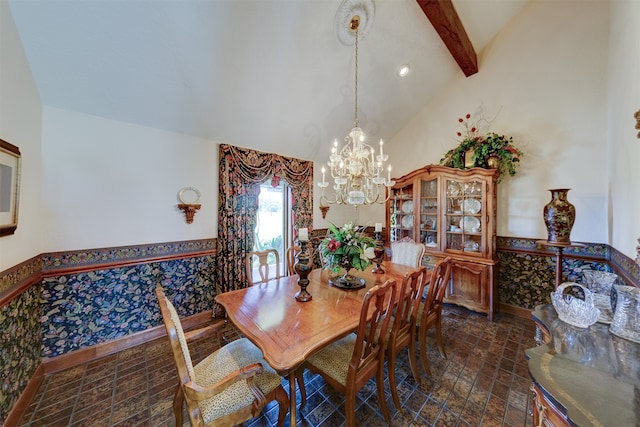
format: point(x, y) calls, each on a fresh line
point(445, 20)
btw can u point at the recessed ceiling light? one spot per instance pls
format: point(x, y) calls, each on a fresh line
point(403, 71)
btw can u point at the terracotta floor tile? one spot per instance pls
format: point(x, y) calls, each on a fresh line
point(483, 382)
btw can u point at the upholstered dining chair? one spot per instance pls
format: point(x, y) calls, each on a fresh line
point(407, 252)
point(404, 326)
point(228, 387)
point(349, 363)
point(430, 312)
point(264, 269)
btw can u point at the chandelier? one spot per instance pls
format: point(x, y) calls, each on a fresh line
point(356, 170)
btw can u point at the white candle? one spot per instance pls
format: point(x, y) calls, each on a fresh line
point(303, 235)
point(381, 144)
point(378, 227)
point(323, 170)
point(389, 174)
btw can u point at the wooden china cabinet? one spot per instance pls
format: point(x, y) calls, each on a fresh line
point(453, 212)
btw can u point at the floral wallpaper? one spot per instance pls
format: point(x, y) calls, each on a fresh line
point(527, 280)
point(527, 270)
point(83, 309)
point(20, 344)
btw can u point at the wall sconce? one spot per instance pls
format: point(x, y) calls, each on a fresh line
point(324, 209)
point(189, 198)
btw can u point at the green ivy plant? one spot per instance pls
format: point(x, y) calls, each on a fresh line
point(484, 148)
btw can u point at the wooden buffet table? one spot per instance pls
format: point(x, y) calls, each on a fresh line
point(584, 377)
point(288, 331)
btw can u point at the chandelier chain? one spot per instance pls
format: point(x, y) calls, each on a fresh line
point(355, 114)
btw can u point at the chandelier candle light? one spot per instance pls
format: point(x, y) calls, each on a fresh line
point(356, 169)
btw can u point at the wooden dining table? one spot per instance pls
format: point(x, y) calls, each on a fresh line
point(288, 331)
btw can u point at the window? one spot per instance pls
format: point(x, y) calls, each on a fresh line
point(273, 221)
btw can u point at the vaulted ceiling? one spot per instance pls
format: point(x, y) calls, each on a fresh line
point(266, 74)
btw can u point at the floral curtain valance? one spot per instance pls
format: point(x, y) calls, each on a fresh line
point(255, 166)
point(241, 172)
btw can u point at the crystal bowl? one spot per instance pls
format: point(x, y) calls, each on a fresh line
point(599, 281)
point(626, 316)
point(574, 305)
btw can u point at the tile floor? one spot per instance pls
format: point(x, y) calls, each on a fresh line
point(483, 382)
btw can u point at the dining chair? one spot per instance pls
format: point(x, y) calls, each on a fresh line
point(264, 269)
point(349, 363)
point(228, 387)
point(430, 312)
point(404, 325)
point(407, 252)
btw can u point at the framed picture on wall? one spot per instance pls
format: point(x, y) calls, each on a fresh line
point(9, 187)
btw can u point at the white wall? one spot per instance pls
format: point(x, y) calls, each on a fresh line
point(542, 80)
point(20, 125)
point(623, 145)
point(109, 183)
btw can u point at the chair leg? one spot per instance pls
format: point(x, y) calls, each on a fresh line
point(412, 360)
point(381, 398)
point(350, 407)
point(178, 401)
point(422, 337)
point(301, 387)
point(391, 363)
point(283, 405)
point(439, 337)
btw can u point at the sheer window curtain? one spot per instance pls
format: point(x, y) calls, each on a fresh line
point(241, 172)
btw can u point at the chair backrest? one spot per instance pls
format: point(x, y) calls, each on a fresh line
point(410, 296)
point(407, 252)
point(372, 331)
point(179, 347)
point(292, 253)
point(439, 279)
point(263, 266)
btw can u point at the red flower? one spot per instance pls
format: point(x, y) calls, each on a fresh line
point(333, 245)
point(468, 116)
point(460, 120)
point(473, 129)
point(459, 133)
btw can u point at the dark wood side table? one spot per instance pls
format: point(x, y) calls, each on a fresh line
point(584, 377)
point(559, 247)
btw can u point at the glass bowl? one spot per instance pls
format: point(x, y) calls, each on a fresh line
point(574, 305)
point(599, 281)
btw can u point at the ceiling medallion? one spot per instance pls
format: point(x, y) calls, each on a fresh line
point(364, 9)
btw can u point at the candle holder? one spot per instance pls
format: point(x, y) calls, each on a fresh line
point(303, 268)
point(379, 252)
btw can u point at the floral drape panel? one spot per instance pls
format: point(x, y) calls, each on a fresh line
point(241, 172)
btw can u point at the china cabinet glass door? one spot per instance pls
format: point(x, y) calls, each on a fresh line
point(464, 216)
point(429, 213)
point(402, 214)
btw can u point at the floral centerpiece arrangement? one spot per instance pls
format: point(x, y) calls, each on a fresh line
point(345, 248)
point(493, 151)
